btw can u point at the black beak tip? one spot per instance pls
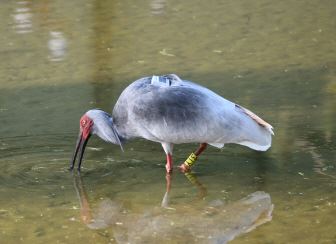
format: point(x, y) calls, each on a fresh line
point(80, 148)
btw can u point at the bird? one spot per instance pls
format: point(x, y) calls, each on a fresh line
point(169, 110)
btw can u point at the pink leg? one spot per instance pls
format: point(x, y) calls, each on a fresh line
point(169, 164)
point(201, 148)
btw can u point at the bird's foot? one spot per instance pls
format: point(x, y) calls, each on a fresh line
point(184, 168)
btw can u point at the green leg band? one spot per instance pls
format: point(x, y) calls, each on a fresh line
point(191, 160)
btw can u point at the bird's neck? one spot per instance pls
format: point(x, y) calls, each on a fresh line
point(105, 128)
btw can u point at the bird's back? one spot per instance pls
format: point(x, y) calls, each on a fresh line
point(168, 109)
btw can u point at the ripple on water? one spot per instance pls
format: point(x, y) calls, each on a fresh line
point(40, 162)
point(33, 162)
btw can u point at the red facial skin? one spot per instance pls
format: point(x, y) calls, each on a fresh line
point(85, 124)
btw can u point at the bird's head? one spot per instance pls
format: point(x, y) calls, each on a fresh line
point(94, 122)
point(85, 126)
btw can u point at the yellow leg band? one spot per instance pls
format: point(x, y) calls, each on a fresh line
point(191, 160)
point(191, 178)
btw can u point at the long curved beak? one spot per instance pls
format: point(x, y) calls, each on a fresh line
point(80, 147)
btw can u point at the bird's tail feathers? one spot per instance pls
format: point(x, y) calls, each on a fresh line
point(259, 140)
point(255, 146)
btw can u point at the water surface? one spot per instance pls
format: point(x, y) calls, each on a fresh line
point(61, 58)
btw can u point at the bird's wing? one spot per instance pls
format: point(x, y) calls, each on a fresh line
point(257, 119)
point(178, 113)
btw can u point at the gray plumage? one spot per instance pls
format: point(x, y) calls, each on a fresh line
point(185, 112)
point(170, 111)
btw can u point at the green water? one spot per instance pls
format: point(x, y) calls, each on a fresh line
point(61, 58)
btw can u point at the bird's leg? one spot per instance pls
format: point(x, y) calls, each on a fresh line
point(168, 148)
point(169, 164)
point(201, 148)
point(186, 166)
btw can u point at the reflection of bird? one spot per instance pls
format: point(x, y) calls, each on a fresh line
point(202, 191)
point(214, 222)
point(170, 111)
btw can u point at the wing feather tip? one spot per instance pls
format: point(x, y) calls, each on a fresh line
point(257, 119)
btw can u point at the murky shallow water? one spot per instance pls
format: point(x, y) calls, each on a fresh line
point(61, 58)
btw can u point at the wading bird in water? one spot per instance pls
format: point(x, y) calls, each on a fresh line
point(170, 111)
